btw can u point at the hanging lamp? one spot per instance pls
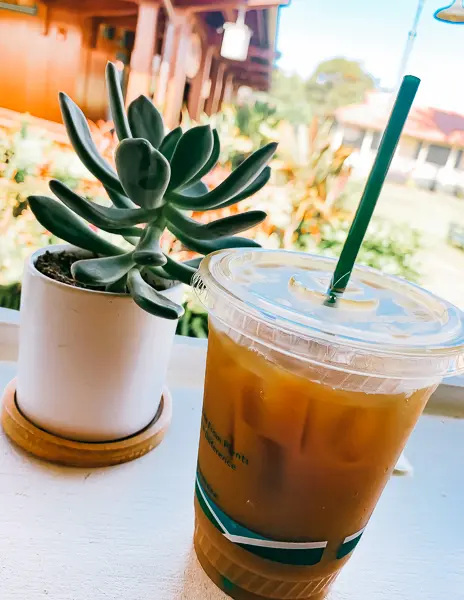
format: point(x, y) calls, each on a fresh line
point(454, 13)
point(236, 38)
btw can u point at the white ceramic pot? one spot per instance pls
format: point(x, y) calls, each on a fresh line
point(91, 364)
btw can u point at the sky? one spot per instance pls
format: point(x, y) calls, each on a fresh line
point(374, 32)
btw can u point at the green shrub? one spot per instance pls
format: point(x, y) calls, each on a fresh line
point(194, 322)
point(10, 296)
point(387, 247)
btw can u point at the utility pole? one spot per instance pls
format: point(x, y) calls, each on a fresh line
point(412, 35)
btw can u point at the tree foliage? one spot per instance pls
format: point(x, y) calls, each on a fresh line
point(338, 82)
point(290, 95)
point(335, 83)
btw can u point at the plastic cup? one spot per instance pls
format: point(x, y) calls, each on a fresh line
point(307, 408)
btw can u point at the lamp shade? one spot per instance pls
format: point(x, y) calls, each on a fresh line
point(451, 14)
point(236, 41)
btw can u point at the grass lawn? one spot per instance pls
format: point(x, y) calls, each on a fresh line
point(442, 266)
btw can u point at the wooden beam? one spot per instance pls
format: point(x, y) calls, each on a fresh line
point(230, 14)
point(248, 67)
point(227, 89)
point(170, 9)
point(167, 53)
point(261, 27)
point(219, 5)
point(266, 53)
point(94, 31)
point(248, 75)
point(252, 76)
point(178, 77)
point(142, 55)
point(217, 84)
point(210, 6)
point(46, 19)
point(207, 5)
point(107, 12)
point(96, 8)
point(272, 26)
point(267, 3)
point(127, 22)
point(173, 7)
point(197, 98)
point(214, 38)
point(253, 82)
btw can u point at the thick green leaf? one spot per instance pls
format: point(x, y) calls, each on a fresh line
point(126, 232)
point(235, 223)
point(102, 271)
point(143, 171)
point(188, 226)
point(119, 200)
point(63, 223)
point(131, 239)
point(145, 121)
point(210, 163)
point(254, 187)
point(83, 144)
point(118, 112)
point(181, 271)
point(194, 262)
point(197, 189)
point(191, 154)
point(119, 286)
point(158, 272)
point(168, 145)
point(215, 229)
point(148, 251)
point(150, 300)
point(105, 217)
point(237, 181)
point(206, 247)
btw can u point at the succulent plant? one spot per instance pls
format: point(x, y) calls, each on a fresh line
point(158, 179)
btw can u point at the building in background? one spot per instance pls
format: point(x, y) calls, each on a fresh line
point(169, 50)
point(431, 149)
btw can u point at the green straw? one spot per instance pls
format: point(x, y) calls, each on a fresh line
point(373, 187)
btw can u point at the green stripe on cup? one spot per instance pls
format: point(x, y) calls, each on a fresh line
point(290, 553)
point(349, 544)
point(299, 558)
point(205, 508)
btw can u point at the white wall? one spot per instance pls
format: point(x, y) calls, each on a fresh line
point(411, 161)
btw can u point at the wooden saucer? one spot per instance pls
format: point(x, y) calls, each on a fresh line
point(55, 449)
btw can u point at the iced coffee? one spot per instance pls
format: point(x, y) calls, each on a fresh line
point(307, 408)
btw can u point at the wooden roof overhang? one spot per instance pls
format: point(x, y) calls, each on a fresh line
point(261, 17)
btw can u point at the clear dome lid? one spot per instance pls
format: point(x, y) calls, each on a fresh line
point(280, 297)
